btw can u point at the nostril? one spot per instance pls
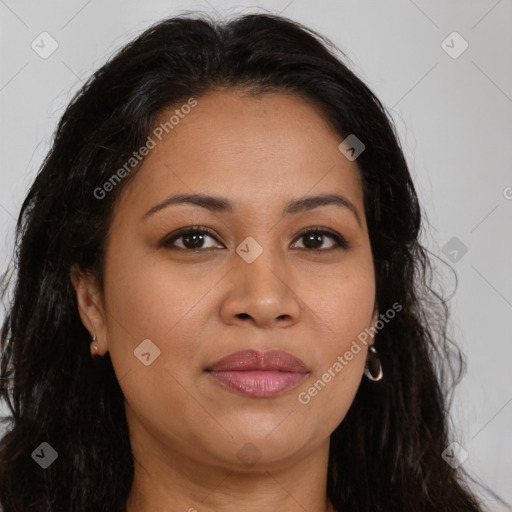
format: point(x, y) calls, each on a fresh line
point(243, 315)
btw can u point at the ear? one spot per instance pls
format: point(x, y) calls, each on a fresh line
point(90, 307)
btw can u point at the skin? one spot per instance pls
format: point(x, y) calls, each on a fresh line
point(185, 427)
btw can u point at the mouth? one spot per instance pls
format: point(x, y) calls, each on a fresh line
point(259, 374)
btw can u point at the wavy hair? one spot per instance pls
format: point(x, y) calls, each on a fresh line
point(385, 456)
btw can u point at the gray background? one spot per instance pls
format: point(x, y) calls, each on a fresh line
point(452, 114)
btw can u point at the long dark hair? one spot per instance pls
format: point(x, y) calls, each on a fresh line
point(386, 453)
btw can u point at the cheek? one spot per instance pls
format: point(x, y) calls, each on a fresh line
point(156, 301)
point(343, 302)
point(344, 312)
point(152, 297)
point(341, 357)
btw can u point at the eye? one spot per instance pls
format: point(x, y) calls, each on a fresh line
point(193, 238)
point(314, 238)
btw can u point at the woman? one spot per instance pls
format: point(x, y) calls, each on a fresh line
point(221, 299)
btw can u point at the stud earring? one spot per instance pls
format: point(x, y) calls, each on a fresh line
point(95, 347)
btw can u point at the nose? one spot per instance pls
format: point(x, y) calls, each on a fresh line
point(263, 292)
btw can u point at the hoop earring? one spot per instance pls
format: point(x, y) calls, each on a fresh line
point(373, 368)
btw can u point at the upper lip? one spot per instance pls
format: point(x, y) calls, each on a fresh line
point(247, 360)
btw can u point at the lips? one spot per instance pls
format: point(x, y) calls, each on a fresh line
point(269, 360)
point(259, 374)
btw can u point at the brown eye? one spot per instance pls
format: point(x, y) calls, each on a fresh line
point(313, 239)
point(192, 239)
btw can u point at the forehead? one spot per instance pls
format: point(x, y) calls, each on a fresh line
point(260, 150)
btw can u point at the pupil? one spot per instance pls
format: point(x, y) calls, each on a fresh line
point(197, 240)
point(315, 239)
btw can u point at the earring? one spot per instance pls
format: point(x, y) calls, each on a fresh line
point(95, 347)
point(373, 368)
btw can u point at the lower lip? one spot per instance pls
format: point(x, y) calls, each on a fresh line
point(260, 384)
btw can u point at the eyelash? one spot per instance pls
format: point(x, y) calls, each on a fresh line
point(340, 241)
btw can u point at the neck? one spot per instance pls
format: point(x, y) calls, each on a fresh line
point(170, 480)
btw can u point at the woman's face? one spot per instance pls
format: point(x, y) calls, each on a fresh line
point(173, 309)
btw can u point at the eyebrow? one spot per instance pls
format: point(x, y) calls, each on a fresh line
point(220, 204)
